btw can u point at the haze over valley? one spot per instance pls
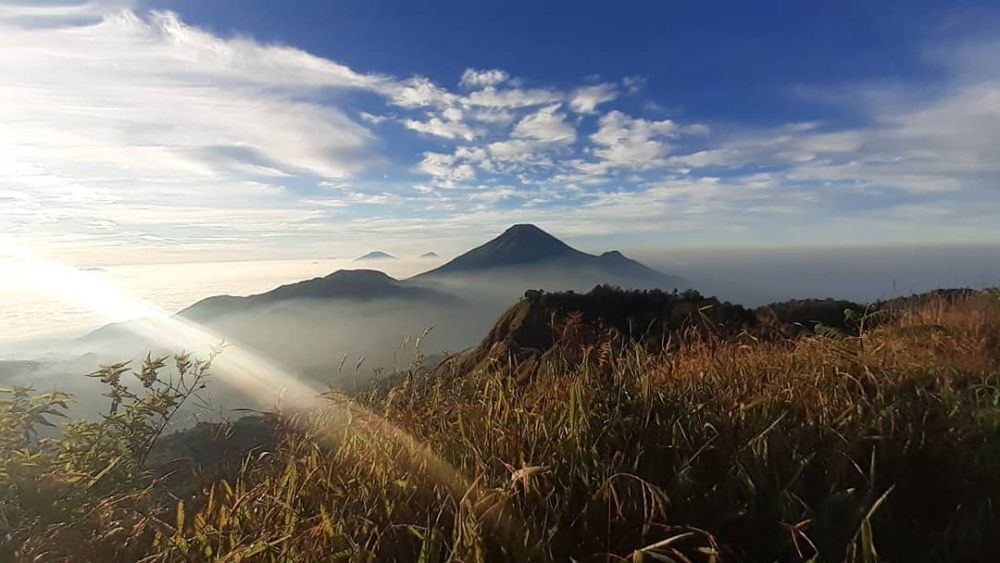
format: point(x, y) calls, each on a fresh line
point(312, 320)
point(751, 276)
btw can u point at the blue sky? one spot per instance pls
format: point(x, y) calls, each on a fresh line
point(180, 130)
point(699, 57)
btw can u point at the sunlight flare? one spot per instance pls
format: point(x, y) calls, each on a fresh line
point(252, 375)
point(255, 377)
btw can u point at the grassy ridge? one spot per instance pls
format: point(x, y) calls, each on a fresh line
point(883, 445)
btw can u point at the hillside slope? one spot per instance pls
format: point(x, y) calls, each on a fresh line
point(570, 326)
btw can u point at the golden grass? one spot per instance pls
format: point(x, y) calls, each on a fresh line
point(883, 446)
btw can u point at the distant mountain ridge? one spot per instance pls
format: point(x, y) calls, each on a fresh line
point(354, 285)
point(522, 257)
point(526, 253)
point(376, 255)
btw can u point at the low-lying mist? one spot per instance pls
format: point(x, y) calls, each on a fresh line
point(343, 343)
point(759, 276)
point(30, 315)
point(329, 344)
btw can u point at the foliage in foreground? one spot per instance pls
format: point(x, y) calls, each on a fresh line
point(879, 446)
point(84, 490)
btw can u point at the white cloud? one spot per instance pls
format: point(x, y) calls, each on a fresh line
point(492, 116)
point(446, 168)
point(514, 149)
point(160, 126)
point(473, 78)
point(511, 98)
point(696, 129)
point(174, 94)
point(536, 133)
point(941, 144)
point(630, 143)
point(27, 13)
point(702, 159)
point(373, 118)
point(586, 99)
point(617, 127)
point(451, 127)
point(633, 84)
point(473, 154)
point(418, 92)
point(548, 125)
point(129, 129)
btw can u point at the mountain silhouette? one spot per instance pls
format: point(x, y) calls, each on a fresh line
point(520, 244)
point(376, 255)
point(430, 255)
point(535, 256)
point(298, 318)
point(352, 285)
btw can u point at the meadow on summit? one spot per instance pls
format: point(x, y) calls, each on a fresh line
point(874, 441)
point(499, 281)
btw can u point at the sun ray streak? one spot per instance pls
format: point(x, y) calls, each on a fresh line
point(254, 376)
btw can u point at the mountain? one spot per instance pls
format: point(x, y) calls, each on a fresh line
point(343, 287)
point(311, 324)
point(520, 244)
point(347, 285)
point(534, 257)
point(305, 327)
point(376, 255)
point(430, 255)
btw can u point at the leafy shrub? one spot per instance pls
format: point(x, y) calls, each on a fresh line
point(58, 491)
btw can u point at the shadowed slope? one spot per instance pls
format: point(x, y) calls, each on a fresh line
point(520, 244)
point(532, 257)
